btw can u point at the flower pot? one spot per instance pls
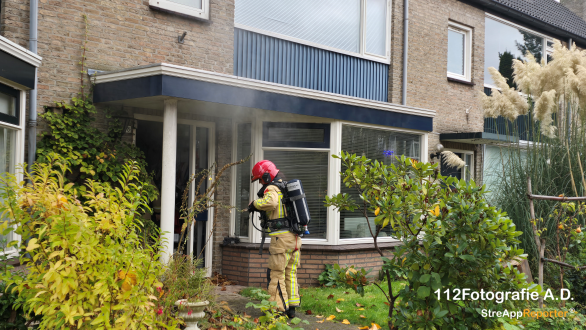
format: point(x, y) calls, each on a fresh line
point(191, 312)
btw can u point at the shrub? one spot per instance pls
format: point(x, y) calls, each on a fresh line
point(335, 275)
point(87, 268)
point(452, 239)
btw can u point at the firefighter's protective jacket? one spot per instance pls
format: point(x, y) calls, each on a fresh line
point(272, 204)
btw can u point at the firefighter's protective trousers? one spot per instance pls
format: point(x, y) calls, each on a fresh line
point(285, 254)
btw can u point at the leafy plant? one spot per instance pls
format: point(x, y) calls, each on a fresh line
point(335, 275)
point(255, 293)
point(452, 239)
point(86, 265)
point(273, 318)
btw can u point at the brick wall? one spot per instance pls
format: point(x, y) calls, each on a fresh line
point(242, 264)
point(122, 34)
point(427, 84)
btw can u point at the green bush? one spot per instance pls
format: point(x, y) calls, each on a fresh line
point(86, 265)
point(335, 275)
point(452, 239)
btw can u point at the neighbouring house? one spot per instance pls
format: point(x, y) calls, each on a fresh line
point(18, 73)
point(212, 81)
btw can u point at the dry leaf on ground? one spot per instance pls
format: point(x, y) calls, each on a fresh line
point(338, 310)
point(363, 328)
point(319, 316)
point(359, 305)
point(322, 321)
point(362, 316)
point(331, 296)
point(331, 317)
point(360, 309)
point(346, 321)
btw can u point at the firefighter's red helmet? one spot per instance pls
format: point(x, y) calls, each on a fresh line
point(264, 168)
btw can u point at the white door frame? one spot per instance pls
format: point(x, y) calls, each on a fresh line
point(211, 159)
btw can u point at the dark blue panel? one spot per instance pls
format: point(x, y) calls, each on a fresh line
point(261, 57)
point(17, 70)
point(137, 88)
point(244, 97)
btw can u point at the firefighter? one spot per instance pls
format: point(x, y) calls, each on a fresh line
point(285, 246)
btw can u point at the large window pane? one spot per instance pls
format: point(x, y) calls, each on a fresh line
point(243, 149)
point(7, 163)
point(376, 27)
point(503, 43)
point(7, 104)
point(312, 169)
point(332, 23)
point(456, 47)
point(382, 146)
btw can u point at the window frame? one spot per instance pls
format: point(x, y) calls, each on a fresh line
point(386, 59)
point(177, 8)
point(423, 145)
point(234, 171)
point(334, 168)
point(467, 32)
point(19, 128)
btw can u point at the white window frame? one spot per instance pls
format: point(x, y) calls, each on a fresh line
point(167, 5)
point(472, 164)
point(246, 239)
point(467, 32)
point(519, 27)
point(19, 149)
point(362, 54)
point(23, 54)
point(334, 168)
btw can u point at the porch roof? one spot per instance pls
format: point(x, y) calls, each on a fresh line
point(150, 85)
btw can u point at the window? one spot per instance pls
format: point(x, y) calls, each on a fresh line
point(298, 135)
point(355, 27)
point(311, 167)
point(383, 146)
point(194, 8)
point(9, 105)
point(243, 149)
point(466, 172)
point(459, 51)
point(503, 43)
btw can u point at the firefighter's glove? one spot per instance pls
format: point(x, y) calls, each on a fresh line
point(252, 208)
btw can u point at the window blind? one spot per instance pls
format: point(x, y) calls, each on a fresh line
point(374, 144)
point(312, 169)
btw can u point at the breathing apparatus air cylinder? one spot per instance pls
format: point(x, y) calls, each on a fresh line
point(299, 211)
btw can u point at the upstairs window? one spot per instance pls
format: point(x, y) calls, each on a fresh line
point(505, 42)
point(353, 27)
point(459, 52)
point(194, 8)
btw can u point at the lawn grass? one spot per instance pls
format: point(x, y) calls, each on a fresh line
point(316, 300)
point(372, 304)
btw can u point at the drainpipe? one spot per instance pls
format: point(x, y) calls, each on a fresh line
point(405, 47)
point(32, 122)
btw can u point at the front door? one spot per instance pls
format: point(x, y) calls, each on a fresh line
point(194, 154)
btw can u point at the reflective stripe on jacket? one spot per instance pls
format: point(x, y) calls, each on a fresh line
point(272, 204)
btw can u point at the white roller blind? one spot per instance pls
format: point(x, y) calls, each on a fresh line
point(312, 169)
point(332, 23)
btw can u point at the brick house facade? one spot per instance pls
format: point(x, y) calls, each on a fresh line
point(216, 81)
